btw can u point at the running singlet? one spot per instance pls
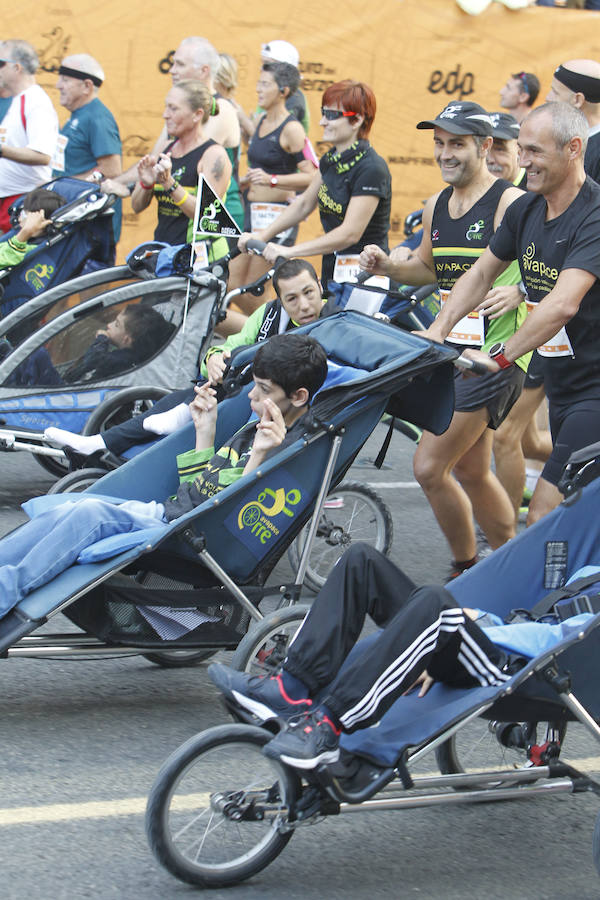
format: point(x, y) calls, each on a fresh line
point(357, 172)
point(174, 227)
point(543, 249)
point(456, 245)
point(267, 153)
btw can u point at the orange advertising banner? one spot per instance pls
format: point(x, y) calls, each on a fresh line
point(416, 54)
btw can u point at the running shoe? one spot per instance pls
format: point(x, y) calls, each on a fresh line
point(306, 741)
point(262, 695)
point(458, 568)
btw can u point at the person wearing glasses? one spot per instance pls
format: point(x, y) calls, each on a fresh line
point(278, 167)
point(519, 94)
point(352, 189)
point(29, 128)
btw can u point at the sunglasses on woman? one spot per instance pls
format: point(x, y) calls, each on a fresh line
point(333, 114)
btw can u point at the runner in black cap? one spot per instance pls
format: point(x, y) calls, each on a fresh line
point(454, 468)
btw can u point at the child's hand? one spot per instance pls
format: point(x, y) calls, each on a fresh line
point(216, 365)
point(33, 224)
point(271, 430)
point(203, 410)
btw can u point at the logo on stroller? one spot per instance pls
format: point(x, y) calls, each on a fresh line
point(39, 276)
point(262, 518)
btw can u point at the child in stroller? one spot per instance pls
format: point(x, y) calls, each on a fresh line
point(34, 219)
point(134, 335)
point(288, 370)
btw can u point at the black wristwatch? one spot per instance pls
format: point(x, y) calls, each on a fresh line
point(496, 352)
point(170, 190)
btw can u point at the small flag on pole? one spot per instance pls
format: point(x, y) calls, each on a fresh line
point(213, 217)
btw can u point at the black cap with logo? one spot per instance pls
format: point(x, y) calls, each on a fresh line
point(504, 126)
point(461, 117)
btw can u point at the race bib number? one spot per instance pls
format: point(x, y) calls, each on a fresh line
point(263, 214)
point(347, 268)
point(559, 345)
point(200, 256)
point(470, 330)
point(58, 160)
point(2, 136)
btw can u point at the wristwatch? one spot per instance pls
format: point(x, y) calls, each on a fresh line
point(168, 191)
point(274, 181)
point(496, 352)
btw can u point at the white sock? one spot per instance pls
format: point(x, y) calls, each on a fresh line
point(169, 421)
point(85, 444)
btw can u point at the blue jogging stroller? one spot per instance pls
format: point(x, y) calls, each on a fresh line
point(194, 585)
point(79, 240)
point(220, 810)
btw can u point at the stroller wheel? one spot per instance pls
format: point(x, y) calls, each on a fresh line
point(55, 466)
point(263, 649)
point(496, 746)
point(218, 811)
point(77, 481)
point(178, 659)
point(352, 512)
point(122, 406)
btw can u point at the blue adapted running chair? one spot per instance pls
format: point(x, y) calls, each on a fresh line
point(233, 540)
point(517, 575)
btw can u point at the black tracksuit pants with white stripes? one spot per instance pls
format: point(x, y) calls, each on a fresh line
point(422, 629)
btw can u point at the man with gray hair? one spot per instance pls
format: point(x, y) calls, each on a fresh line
point(89, 140)
point(197, 60)
point(29, 129)
point(577, 82)
point(552, 231)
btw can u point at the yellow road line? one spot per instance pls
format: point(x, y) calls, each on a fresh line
point(135, 806)
point(97, 809)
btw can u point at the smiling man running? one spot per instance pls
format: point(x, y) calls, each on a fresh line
point(454, 468)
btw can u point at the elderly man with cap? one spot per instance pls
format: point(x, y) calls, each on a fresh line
point(519, 94)
point(458, 222)
point(577, 82)
point(29, 128)
point(89, 141)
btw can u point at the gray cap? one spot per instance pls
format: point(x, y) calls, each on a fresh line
point(461, 117)
point(504, 126)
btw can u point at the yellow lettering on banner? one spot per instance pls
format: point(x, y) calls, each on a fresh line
point(452, 55)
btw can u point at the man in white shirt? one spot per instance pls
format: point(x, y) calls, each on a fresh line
point(29, 129)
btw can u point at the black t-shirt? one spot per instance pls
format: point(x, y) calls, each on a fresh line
point(591, 160)
point(346, 177)
point(544, 249)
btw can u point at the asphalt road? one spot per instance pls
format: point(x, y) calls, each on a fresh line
point(81, 742)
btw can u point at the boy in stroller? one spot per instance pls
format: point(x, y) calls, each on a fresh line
point(426, 637)
point(299, 301)
point(38, 206)
point(287, 371)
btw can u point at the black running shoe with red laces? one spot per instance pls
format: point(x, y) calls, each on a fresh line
point(264, 696)
point(306, 741)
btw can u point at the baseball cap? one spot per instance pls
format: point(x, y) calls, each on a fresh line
point(462, 117)
point(504, 126)
point(280, 51)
